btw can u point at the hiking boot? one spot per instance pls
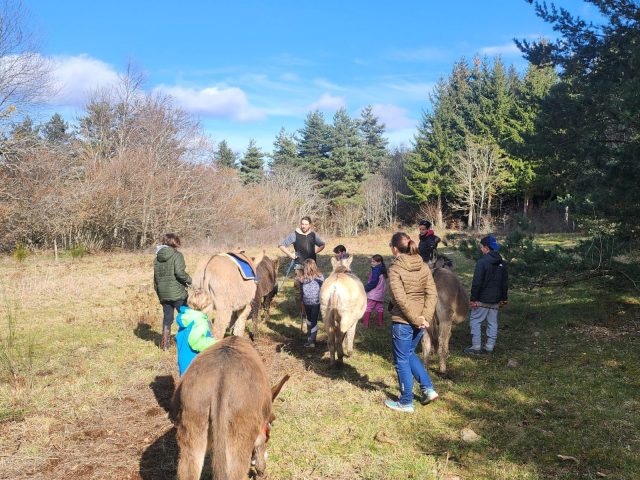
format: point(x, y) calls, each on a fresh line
point(310, 345)
point(397, 406)
point(429, 395)
point(486, 350)
point(472, 351)
point(165, 344)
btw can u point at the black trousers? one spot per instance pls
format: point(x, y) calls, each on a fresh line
point(167, 311)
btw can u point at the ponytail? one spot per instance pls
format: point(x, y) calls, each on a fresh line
point(404, 244)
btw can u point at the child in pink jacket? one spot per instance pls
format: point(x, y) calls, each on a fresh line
point(375, 289)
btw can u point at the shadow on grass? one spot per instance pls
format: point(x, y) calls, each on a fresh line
point(146, 332)
point(291, 340)
point(160, 459)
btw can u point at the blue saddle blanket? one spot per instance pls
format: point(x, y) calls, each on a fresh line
point(244, 266)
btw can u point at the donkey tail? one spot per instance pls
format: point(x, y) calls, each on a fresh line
point(218, 434)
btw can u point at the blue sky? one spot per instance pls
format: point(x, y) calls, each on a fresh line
point(248, 68)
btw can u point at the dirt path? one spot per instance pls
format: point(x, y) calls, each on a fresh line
point(131, 437)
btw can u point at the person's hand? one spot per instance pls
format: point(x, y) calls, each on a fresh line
point(503, 303)
point(423, 322)
point(474, 304)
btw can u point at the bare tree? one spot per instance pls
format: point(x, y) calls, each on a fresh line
point(379, 202)
point(292, 193)
point(24, 73)
point(477, 172)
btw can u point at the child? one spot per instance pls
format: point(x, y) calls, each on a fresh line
point(194, 332)
point(340, 252)
point(488, 293)
point(310, 282)
point(375, 288)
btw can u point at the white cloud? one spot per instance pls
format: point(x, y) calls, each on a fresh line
point(506, 49)
point(404, 137)
point(221, 102)
point(326, 84)
point(75, 77)
point(418, 90)
point(328, 102)
point(290, 77)
point(394, 117)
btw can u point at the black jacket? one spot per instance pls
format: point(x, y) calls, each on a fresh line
point(427, 246)
point(490, 278)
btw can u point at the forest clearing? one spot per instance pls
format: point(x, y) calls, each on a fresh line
point(91, 389)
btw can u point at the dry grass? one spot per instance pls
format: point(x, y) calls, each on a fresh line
point(94, 402)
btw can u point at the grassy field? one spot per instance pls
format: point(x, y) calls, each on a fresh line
point(85, 390)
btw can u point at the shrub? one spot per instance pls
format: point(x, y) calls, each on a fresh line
point(20, 252)
point(78, 251)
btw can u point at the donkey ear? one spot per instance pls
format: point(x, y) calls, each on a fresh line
point(275, 390)
point(334, 262)
point(347, 261)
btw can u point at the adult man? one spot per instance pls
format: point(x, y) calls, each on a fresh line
point(428, 242)
point(306, 244)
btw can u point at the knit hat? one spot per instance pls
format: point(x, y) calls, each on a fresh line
point(491, 242)
point(426, 223)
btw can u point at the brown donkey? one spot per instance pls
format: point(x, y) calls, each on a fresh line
point(230, 293)
point(452, 307)
point(224, 403)
point(267, 288)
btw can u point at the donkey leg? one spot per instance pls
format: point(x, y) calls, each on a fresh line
point(223, 318)
point(339, 340)
point(426, 349)
point(192, 443)
point(331, 333)
point(238, 327)
point(351, 333)
point(443, 343)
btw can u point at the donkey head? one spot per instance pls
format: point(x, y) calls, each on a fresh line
point(441, 262)
point(342, 265)
point(259, 456)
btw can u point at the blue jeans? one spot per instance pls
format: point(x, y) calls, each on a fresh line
point(408, 365)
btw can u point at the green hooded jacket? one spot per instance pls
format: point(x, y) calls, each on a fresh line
point(169, 276)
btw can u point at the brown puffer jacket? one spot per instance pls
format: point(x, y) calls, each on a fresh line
point(413, 291)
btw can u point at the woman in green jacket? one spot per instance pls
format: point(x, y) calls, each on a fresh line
point(170, 281)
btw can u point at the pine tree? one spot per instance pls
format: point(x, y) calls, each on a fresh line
point(374, 143)
point(252, 164)
point(589, 129)
point(441, 134)
point(315, 140)
point(285, 151)
point(55, 131)
point(25, 130)
point(342, 172)
point(224, 157)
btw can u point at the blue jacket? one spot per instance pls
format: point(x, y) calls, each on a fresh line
point(193, 336)
point(375, 277)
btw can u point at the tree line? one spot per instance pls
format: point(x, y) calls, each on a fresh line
point(492, 142)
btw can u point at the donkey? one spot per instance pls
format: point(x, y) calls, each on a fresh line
point(224, 403)
point(452, 307)
point(267, 288)
point(220, 277)
point(342, 303)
